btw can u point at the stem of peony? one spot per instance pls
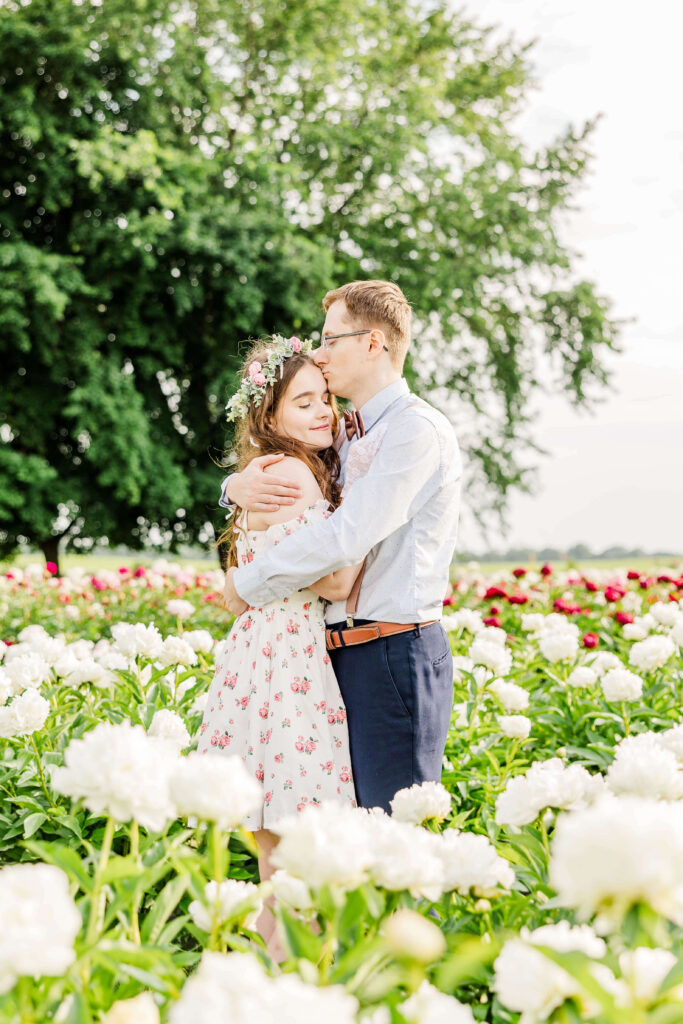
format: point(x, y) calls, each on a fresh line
point(219, 853)
point(27, 1015)
point(509, 760)
point(135, 908)
point(97, 900)
point(624, 715)
point(41, 774)
point(544, 835)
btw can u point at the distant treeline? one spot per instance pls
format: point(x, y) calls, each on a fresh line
point(576, 553)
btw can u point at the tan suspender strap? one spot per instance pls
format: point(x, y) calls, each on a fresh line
point(352, 599)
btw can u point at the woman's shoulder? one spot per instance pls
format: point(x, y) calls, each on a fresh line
point(293, 467)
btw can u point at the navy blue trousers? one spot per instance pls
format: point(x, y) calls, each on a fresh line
point(398, 693)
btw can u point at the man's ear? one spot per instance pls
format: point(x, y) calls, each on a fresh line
point(377, 343)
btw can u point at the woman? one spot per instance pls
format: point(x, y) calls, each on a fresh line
point(274, 698)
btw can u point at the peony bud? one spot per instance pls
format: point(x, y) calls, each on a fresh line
point(411, 935)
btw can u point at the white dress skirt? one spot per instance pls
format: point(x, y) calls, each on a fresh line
point(274, 698)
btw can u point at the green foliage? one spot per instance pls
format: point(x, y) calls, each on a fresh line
point(174, 181)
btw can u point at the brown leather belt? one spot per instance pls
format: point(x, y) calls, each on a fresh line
point(336, 638)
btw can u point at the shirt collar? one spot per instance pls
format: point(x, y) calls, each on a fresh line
point(379, 403)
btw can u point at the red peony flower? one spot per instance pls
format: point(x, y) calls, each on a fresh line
point(632, 575)
point(518, 599)
point(591, 586)
point(51, 567)
point(546, 570)
point(560, 605)
point(614, 592)
point(623, 617)
point(492, 620)
point(591, 640)
point(494, 592)
point(518, 573)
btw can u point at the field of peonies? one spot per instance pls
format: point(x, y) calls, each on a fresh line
point(541, 881)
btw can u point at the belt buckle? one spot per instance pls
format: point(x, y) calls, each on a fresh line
point(349, 621)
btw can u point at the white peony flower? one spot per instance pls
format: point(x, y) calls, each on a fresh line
point(141, 1009)
point(621, 851)
point(139, 640)
point(491, 654)
point(560, 646)
point(325, 845)
point(40, 923)
point(89, 671)
point(180, 609)
point(533, 622)
point(465, 618)
point(676, 633)
point(175, 651)
point(461, 663)
point(582, 677)
point(430, 1005)
point(664, 613)
point(526, 981)
point(546, 784)
point(516, 727)
point(410, 934)
point(648, 655)
point(672, 739)
point(643, 766)
point(25, 715)
point(470, 863)
point(200, 640)
point(619, 684)
point(421, 802)
point(235, 987)
point(26, 672)
point(167, 725)
point(198, 705)
point(291, 891)
point(511, 696)
point(645, 969)
point(6, 688)
point(214, 788)
point(604, 660)
point(230, 898)
point(119, 770)
point(403, 856)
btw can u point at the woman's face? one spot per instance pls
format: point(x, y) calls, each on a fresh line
point(304, 412)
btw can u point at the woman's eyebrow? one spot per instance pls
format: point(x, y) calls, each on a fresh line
point(304, 394)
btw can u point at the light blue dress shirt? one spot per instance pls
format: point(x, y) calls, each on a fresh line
point(403, 514)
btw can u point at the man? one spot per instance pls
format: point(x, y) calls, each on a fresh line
point(390, 652)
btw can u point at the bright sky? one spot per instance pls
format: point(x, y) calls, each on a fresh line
point(615, 477)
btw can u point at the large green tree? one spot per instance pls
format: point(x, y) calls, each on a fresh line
point(177, 176)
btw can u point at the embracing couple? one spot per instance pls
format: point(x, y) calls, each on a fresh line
point(336, 680)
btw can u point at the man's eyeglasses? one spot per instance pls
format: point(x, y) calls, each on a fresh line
point(327, 338)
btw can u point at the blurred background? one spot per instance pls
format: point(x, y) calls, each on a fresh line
point(178, 177)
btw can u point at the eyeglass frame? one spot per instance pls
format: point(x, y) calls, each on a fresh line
point(324, 339)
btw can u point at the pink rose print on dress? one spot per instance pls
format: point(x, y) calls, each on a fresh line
point(341, 715)
point(259, 773)
point(292, 628)
point(263, 711)
point(299, 745)
point(267, 651)
point(265, 736)
point(310, 746)
point(268, 797)
point(326, 659)
point(345, 773)
point(242, 702)
point(309, 650)
point(305, 686)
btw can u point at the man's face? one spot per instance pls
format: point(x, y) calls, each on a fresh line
point(342, 363)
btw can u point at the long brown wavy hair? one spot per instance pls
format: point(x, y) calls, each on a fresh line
point(256, 435)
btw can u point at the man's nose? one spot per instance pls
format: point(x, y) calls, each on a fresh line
point(319, 356)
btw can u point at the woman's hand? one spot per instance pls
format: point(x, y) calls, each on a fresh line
point(233, 601)
point(258, 491)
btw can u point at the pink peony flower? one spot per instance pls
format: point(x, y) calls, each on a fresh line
point(51, 567)
point(296, 344)
point(259, 379)
point(254, 368)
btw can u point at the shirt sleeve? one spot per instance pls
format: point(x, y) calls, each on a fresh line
point(404, 475)
point(224, 501)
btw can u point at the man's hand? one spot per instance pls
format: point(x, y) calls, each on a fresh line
point(257, 491)
point(234, 602)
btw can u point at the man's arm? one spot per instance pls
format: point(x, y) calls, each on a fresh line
point(257, 491)
point(403, 476)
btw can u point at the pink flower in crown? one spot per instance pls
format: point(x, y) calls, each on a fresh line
point(296, 344)
point(259, 379)
point(254, 368)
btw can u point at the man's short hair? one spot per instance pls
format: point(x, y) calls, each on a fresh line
point(381, 303)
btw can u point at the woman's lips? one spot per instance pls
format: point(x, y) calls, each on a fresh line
point(325, 426)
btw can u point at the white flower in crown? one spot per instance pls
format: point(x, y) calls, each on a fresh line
point(261, 374)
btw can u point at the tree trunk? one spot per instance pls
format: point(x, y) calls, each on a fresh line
point(50, 549)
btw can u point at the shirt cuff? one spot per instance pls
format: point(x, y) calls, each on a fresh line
point(224, 501)
point(251, 588)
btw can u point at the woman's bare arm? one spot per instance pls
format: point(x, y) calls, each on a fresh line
point(337, 586)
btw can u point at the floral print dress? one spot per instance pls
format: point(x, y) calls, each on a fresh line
point(274, 698)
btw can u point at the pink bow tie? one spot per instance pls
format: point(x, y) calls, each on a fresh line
point(353, 422)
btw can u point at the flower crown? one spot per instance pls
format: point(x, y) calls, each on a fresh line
point(259, 375)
